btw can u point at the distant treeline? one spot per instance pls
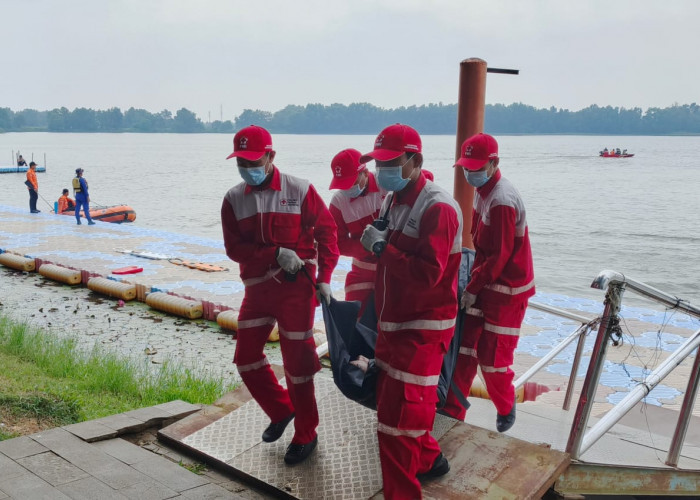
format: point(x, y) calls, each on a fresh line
point(364, 118)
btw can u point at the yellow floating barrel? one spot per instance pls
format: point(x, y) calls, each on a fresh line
point(58, 273)
point(175, 305)
point(17, 262)
point(124, 291)
point(228, 320)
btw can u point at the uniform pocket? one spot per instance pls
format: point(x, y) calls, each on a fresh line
point(505, 348)
point(418, 407)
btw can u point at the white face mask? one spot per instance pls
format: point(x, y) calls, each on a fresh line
point(353, 192)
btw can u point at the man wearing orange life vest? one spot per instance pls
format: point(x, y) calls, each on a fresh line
point(416, 305)
point(65, 202)
point(355, 205)
point(278, 229)
point(502, 280)
point(33, 187)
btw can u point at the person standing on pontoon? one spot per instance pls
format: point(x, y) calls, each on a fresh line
point(82, 197)
point(33, 186)
point(21, 161)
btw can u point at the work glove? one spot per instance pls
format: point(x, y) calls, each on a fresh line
point(288, 260)
point(323, 293)
point(371, 236)
point(467, 300)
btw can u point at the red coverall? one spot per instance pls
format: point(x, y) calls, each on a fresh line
point(416, 301)
point(502, 279)
point(286, 212)
point(352, 216)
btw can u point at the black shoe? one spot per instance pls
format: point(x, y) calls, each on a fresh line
point(274, 431)
point(35, 211)
point(79, 222)
point(297, 453)
point(440, 467)
point(91, 223)
point(505, 422)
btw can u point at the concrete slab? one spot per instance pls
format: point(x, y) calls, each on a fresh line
point(91, 431)
point(178, 408)
point(175, 476)
point(52, 468)
point(148, 489)
point(90, 489)
point(10, 469)
point(31, 487)
point(123, 450)
point(122, 423)
point(20, 447)
point(210, 492)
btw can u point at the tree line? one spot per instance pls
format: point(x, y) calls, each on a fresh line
point(364, 118)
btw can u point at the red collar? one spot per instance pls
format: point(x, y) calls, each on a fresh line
point(488, 187)
point(273, 183)
point(409, 194)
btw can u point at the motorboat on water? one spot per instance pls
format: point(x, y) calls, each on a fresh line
point(616, 154)
point(114, 213)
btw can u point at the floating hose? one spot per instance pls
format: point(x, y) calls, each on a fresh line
point(175, 305)
point(228, 320)
point(124, 291)
point(17, 262)
point(58, 273)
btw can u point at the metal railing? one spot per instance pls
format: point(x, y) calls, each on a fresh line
point(615, 284)
point(587, 324)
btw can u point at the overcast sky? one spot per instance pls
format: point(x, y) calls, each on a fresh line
point(209, 55)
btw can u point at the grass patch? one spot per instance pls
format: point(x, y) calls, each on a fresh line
point(54, 382)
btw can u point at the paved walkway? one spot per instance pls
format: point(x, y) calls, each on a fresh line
point(90, 461)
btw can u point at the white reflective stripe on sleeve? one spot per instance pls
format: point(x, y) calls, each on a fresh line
point(299, 380)
point(369, 266)
point(507, 290)
point(491, 369)
point(473, 311)
point(359, 286)
point(418, 324)
point(409, 378)
point(502, 330)
point(252, 323)
point(393, 431)
point(270, 274)
point(467, 351)
point(252, 366)
point(297, 335)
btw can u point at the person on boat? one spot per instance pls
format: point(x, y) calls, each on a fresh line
point(65, 202)
point(617, 152)
point(502, 281)
point(282, 235)
point(82, 197)
point(33, 186)
point(416, 306)
point(624, 151)
point(21, 161)
point(353, 206)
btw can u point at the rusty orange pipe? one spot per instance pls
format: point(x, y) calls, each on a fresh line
point(471, 106)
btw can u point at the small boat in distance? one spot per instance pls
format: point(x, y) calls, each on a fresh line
point(616, 153)
point(115, 213)
point(14, 170)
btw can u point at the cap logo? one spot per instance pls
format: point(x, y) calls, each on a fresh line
point(411, 146)
point(243, 143)
point(338, 171)
point(379, 141)
point(468, 150)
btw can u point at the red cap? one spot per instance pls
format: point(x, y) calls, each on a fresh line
point(477, 150)
point(345, 167)
point(251, 143)
point(392, 142)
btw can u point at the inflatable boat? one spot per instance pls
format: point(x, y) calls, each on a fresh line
point(115, 213)
point(15, 170)
point(610, 154)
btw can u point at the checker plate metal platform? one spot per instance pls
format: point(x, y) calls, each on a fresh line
point(345, 464)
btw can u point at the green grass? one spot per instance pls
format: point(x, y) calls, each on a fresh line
point(50, 378)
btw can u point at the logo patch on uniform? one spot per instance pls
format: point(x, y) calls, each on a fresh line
point(338, 171)
point(411, 223)
point(468, 150)
point(379, 141)
point(289, 202)
point(243, 143)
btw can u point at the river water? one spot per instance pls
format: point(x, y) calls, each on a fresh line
point(638, 216)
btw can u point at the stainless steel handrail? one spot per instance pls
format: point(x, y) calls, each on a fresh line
point(586, 325)
point(615, 284)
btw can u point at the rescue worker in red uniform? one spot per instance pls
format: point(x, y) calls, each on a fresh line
point(502, 280)
point(274, 224)
point(416, 305)
point(353, 207)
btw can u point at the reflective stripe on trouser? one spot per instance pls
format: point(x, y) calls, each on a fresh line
point(489, 338)
point(292, 305)
point(359, 284)
point(410, 362)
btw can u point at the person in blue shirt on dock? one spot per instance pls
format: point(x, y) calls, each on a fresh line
point(82, 197)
